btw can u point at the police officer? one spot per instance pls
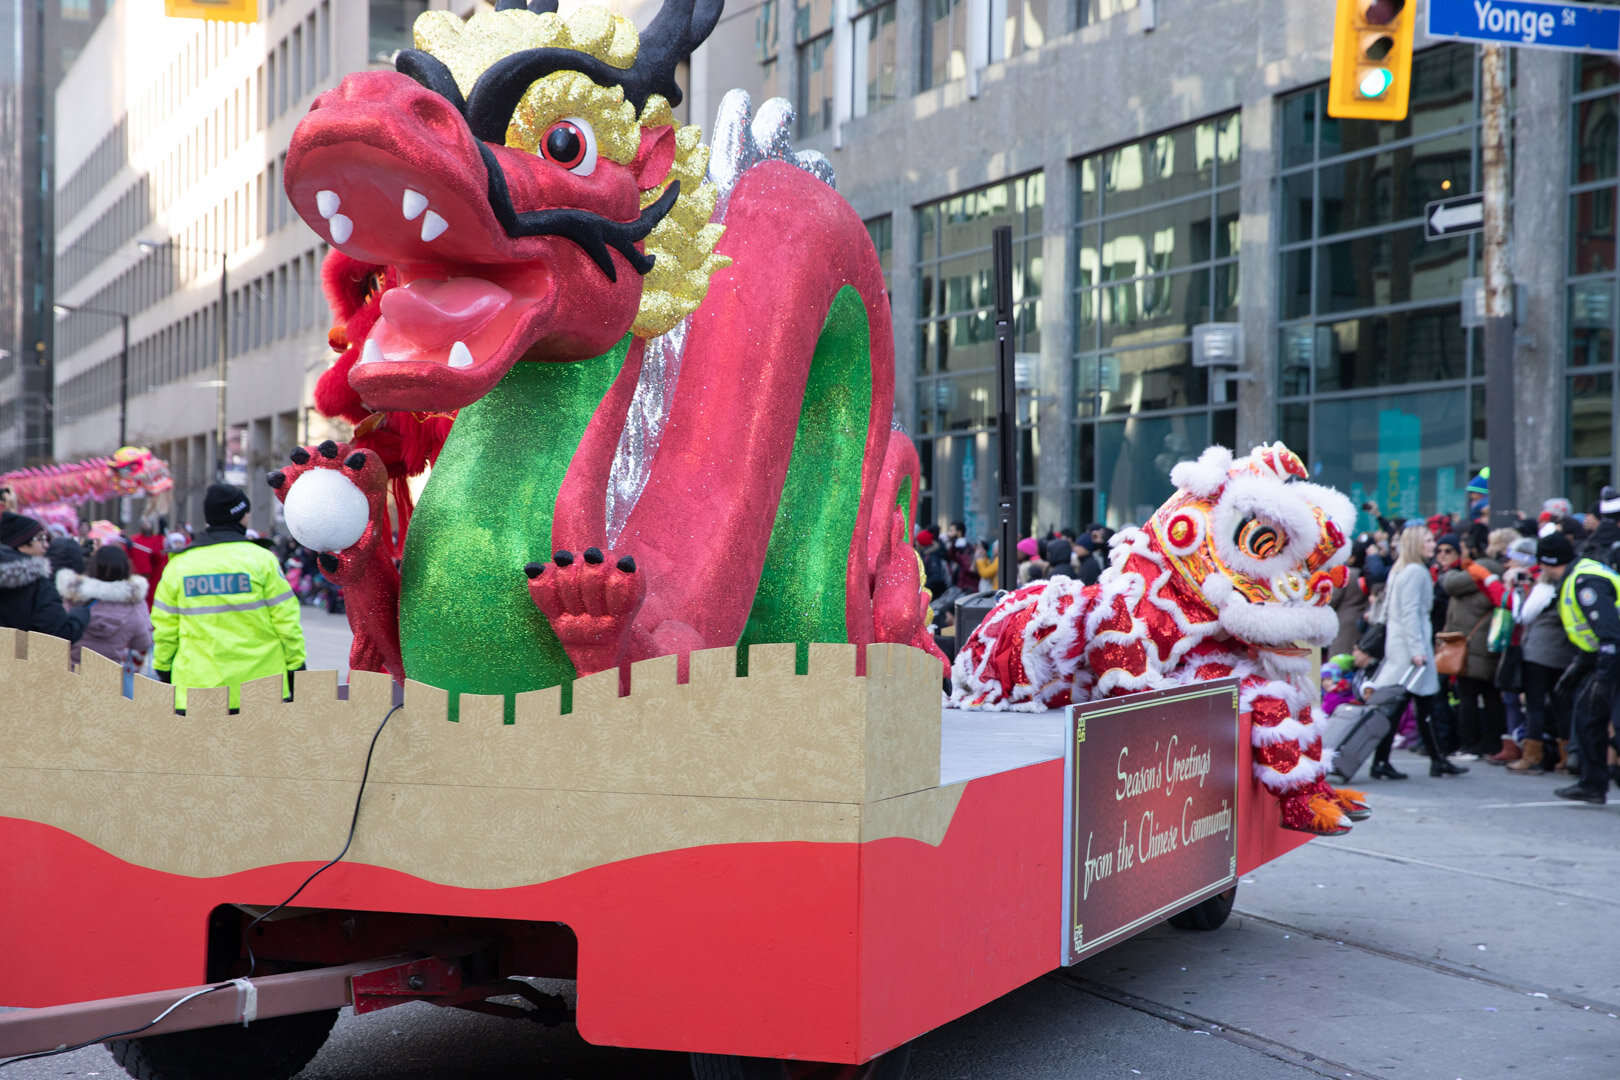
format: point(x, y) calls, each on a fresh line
point(223, 614)
point(1588, 595)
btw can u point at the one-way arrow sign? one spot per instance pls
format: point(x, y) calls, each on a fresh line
point(1449, 217)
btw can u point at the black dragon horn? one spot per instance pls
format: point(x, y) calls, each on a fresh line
point(680, 27)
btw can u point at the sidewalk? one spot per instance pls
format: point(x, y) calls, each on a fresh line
point(326, 641)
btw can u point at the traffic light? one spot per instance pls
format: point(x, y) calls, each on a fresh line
point(1372, 59)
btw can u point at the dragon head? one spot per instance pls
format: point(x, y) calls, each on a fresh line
point(522, 178)
point(1263, 545)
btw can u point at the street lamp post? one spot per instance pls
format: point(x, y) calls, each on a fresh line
point(224, 343)
point(123, 362)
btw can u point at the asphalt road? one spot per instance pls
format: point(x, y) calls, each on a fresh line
point(1462, 933)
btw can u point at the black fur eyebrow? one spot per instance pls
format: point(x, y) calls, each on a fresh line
point(488, 109)
point(591, 231)
point(496, 94)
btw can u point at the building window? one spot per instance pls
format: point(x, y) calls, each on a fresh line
point(1366, 303)
point(881, 230)
point(1155, 253)
point(1088, 12)
point(812, 38)
point(751, 31)
point(390, 27)
point(876, 56)
point(1589, 391)
point(944, 42)
point(956, 349)
point(1017, 26)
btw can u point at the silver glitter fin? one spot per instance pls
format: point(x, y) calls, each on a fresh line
point(742, 140)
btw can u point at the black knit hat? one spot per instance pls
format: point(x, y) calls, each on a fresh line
point(224, 504)
point(1554, 549)
point(17, 529)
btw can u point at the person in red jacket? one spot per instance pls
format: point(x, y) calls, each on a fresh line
point(147, 556)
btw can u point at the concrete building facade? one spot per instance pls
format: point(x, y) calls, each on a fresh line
point(168, 183)
point(1165, 164)
point(39, 39)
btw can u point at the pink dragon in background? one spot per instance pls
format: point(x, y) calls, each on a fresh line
point(51, 492)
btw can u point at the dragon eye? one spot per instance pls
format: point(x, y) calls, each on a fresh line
point(1258, 539)
point(571, 143)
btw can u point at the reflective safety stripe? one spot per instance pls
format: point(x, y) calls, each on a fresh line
point(221, 609)
point(1576, 628)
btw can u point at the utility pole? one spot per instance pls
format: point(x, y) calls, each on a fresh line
point(1500, 420)
point(1006, 408)
point(224, 347)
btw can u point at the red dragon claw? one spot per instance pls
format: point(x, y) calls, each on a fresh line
point(336, 500)
point(590, 602)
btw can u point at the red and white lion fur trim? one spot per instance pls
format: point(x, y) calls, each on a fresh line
point(1143, 628)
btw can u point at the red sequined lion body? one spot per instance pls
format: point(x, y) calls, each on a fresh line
point(1231, 576)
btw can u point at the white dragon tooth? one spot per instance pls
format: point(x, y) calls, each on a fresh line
point(415, 203)
point(370, 351)
point(341, 228)
point(460, 355)
point(327, 203)
point(433, 225)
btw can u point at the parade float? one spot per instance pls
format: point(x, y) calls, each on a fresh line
point(644, 697)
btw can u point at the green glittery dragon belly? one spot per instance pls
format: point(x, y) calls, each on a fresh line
point(468, 624)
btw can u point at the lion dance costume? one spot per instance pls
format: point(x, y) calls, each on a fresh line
point(1231, 576)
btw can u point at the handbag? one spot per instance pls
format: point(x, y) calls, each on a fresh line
point(1501, 630)
point(1510, 670)
point(1451, 649)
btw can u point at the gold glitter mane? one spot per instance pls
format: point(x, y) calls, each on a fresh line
point(682, 244)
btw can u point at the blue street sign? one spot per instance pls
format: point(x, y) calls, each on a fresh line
point(1576, 27)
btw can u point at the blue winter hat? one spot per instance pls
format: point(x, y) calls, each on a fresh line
point(1481, 483)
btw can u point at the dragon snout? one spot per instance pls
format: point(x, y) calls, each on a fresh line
point(1315, 589)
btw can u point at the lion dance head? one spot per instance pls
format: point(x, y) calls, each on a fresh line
point(1262, 545)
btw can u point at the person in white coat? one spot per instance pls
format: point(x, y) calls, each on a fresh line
point(1409, 641)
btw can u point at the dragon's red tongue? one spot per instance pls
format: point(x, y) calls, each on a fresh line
point(434, 314)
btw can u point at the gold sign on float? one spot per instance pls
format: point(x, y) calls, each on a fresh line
point(217, 10)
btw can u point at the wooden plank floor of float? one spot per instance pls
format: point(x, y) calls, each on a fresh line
point(772, 865)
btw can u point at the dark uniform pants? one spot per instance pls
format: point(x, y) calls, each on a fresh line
point(1592, 737)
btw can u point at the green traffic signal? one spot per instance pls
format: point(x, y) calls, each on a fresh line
point(1374, 83)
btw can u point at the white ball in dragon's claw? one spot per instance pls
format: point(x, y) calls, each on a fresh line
point(325, 511)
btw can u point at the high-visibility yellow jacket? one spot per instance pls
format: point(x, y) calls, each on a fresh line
point(224, 615)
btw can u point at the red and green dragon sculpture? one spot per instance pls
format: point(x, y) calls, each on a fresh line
point(671, 378)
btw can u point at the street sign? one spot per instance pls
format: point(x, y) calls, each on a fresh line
point(1449, 217)
point(1521, 23)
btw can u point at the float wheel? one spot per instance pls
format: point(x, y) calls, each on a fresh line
point(275, 1048)
point(890, 1066)
point(1208, 914)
